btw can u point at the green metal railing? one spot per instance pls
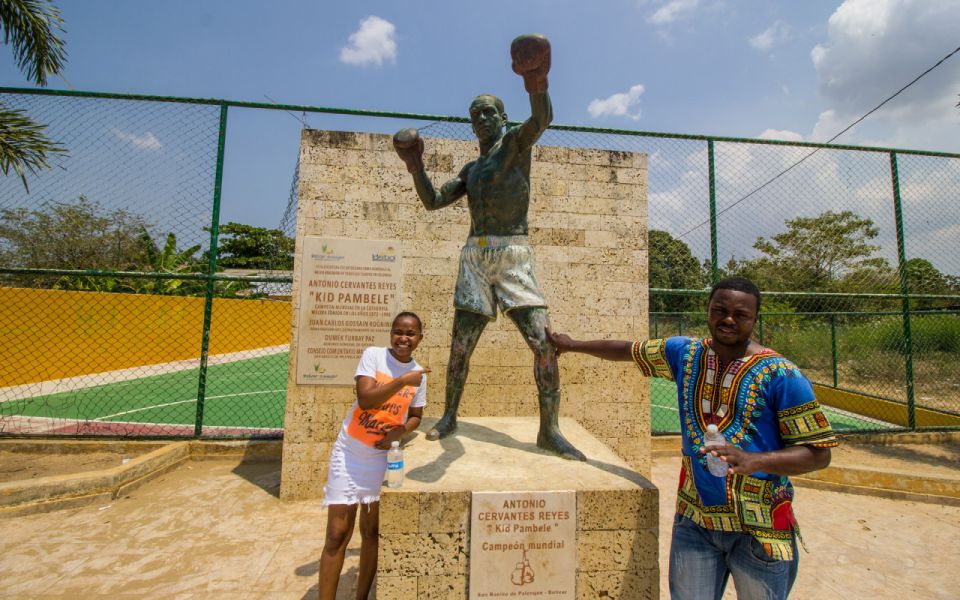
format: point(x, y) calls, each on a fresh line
point(732, 188)
point(829, 343)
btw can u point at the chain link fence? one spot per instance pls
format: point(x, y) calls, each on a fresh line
point(119, 319)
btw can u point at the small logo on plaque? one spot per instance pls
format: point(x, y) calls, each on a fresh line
point(523, 574)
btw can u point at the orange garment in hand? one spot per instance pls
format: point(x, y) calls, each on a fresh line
point(371, 425)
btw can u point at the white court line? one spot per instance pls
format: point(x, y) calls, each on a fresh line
point(144, 408)
point(72, 384)
point(673, 408)
point(35, 425)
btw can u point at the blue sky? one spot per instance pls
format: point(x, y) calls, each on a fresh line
point(706, 66)
point(750, 68)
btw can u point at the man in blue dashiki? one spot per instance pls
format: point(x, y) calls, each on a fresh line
point(741, 523)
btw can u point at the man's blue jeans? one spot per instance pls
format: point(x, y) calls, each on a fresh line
point(701, 561)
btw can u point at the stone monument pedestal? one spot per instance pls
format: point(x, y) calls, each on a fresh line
point(425, 525)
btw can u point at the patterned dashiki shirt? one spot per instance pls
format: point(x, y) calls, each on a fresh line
point(760, 403)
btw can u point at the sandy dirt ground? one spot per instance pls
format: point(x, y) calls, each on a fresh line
point(215, 529)
point(938, 460)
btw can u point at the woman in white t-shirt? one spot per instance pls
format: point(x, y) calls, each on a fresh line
point(391, 393)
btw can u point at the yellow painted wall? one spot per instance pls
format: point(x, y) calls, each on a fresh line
point(51, 334)
point(884, 410)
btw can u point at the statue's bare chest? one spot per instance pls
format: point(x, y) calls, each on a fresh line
point(493, 180)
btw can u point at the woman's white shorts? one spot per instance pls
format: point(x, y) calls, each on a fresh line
point(355, 474)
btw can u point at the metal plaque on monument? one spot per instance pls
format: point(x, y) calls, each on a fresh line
point(349, 292)
point(523, 544)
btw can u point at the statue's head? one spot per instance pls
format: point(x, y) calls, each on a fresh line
point(487, 117)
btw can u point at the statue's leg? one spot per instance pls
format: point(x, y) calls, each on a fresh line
point(467, 327)
point(532, 323)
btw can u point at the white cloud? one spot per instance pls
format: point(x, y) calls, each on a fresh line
point(828, 124)
point(873, 48)
point(673, 10)
point(373, 43)
point(774, 185)
point(678, 188)
point(760, 186)
point(147, 141)
point(781, 134)
point(777, 33)
point(624, 104)
point(930, 245)
point(658, 160)
point(766, 193)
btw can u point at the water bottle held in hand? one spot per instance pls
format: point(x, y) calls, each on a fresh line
point(394, 465)
point(714, 439)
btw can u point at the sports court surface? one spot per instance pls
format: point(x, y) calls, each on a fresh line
point(242, 397)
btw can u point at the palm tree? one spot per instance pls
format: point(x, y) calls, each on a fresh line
point(31, 28)
point(167, 260)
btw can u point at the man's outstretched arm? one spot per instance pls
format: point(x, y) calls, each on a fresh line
point(531, 60)
point(409, 146)
point(606, 349)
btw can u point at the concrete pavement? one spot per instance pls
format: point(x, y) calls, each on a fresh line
point(215, 528)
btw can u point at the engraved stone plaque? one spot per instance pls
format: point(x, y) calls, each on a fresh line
point(349, 292)
point(523, 544)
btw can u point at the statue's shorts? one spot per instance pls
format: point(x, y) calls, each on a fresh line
point(496, 271)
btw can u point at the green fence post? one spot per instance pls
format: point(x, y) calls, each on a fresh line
point(760, 318)
point(208, 298)
point(656, 328)
point(833, 347)
point(904, 291)
point(714, 268)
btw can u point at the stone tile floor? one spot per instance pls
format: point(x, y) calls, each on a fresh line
point(214, 529)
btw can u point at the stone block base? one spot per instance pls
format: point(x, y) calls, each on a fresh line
point(425, 525)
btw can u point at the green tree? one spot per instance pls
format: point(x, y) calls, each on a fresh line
point(814, 252)
point(169, 260)
point(924, 278)
point(31, 28)
point(827, 253)
point(953, 283)
point(874, 275)
point(673, 266)
point(249, 247)
point(78, 235)
point(152, 258)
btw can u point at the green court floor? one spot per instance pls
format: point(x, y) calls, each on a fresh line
point(251, 393)
point(243, 393)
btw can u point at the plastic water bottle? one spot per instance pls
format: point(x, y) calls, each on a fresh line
point(394, 465)
point(714, 439)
